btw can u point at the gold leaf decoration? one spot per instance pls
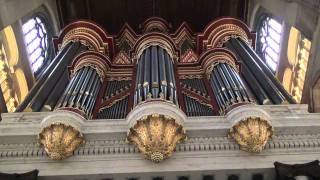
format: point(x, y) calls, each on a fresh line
point(60, 140)
point(251, 134)
point(156, 136)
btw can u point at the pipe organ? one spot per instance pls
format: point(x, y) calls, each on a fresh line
point(156, 65)
point(156, 79)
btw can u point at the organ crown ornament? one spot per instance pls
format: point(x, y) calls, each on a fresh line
point(156, 136)
point(60, 140)
point(251, 134)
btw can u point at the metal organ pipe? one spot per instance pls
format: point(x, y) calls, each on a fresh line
point(156, 75)
point(162, 74)
point(53, 78)
point(44, 76)
point(82, 91)
point(146, 77)
point(268, 72)
point(228, 87)
point(265, 82)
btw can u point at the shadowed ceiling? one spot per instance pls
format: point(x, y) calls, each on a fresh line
point(112, 14)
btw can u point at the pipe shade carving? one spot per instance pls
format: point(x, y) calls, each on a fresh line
point(60, 140)
point(251, 134)
point(156, 136)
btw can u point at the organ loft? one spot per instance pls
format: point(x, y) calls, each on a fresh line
point(159, 101)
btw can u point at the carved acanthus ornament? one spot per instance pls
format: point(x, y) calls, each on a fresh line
point(60, 140)
point(156, 136)
point(251, 134)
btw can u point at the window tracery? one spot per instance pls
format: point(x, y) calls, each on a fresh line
point(36, 40)
point(269, 40)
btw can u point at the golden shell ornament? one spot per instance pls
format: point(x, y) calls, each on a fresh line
point(60, 140)
point(251, 134)
point(156, 136)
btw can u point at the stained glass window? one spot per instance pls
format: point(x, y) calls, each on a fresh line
point(270, 37)
point(36, 40)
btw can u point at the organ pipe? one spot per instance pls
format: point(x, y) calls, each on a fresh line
point(228, 87)
point(156, 66)
point(265, 82)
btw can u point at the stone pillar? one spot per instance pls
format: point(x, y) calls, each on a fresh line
point(89, 69)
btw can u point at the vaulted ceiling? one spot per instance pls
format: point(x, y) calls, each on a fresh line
point(112, 14)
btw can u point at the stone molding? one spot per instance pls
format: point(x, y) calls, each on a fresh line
point(287, 143)
point(296, 140)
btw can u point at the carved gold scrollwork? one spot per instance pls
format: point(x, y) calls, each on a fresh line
point(156, 136)
point(60, 140)
point(251, 134)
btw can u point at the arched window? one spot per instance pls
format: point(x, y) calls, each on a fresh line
point(269, 39)
point(36, 40)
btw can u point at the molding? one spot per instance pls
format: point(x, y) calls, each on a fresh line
point(296, 140)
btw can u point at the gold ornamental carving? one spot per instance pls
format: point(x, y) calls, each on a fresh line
point(60, 140)
point(156, 136)
point(251, 134)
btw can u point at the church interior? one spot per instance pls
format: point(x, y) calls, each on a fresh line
point(160, 89)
